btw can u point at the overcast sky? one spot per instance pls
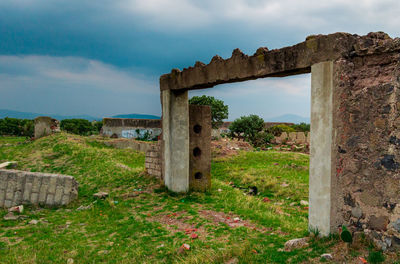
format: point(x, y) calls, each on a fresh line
point(104, 57)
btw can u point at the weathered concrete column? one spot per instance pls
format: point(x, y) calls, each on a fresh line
point(321, 147)
point(175, 108)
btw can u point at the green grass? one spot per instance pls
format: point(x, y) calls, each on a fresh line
point(130, 226)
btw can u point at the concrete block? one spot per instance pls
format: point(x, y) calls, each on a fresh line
point(17, 198)
point(58, 195)
point(37, 182)
point(50, 199)
point(43, 193)
point(65, 199)
point(27, 192)
point(52, 184)
point(34, 198)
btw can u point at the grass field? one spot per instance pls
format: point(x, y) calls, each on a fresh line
point(140, 222)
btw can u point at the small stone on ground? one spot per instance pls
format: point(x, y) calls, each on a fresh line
point(327, 256)
point(296, 243)
point(100, 195)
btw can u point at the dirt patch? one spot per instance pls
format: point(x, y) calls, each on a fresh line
point(177, 222)
point(231, 220)
point(228, 147)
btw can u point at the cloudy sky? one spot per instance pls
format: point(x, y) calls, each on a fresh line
point(104, 57)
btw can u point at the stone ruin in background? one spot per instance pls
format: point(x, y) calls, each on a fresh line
point(355, 125)
point(45, 125)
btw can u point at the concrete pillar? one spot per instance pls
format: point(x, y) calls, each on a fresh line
point(321, 148)
point(175, 108)
point(200, 147)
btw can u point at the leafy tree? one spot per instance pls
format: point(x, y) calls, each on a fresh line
point(219, 111)
point(97, 125)
point(77, 126)
point(16, 127)
point(247, 127)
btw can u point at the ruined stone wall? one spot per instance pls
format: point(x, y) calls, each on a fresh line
point(45, 125)
point(22, 187)
point(153, 161)
point(366, 153)
point(293, 137)
point(130, 128)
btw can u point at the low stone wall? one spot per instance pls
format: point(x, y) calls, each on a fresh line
point(22, 187)
point(153, 161)
point(294, 138)
point(131, 128)
point(124, 143)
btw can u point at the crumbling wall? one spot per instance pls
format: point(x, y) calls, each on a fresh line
point(45, 125)
point(153, 161)
point(366, 152)
point(131, 128)
point(293, 138)
point(23, 187)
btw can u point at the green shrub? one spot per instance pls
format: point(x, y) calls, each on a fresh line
point(247, 127)
point(302, 127)
point(77, 126)
point(97, 125)
point(279, 129)
point(262, 139)
point(16, 127)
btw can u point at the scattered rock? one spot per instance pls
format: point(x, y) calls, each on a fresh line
point(219, 190)
point(33, 222)
point(8, 165)
point(305, 203)
point(100, 195)
point(396, 225)
point(296, 244)
point(327, 256)
point(266, 200)
point(11, 217)
point(378, 223)
point(232, 261)
point(356, 212)
point(82, 207)
point(70, 261)
point(285, 184)
point(183, 248)
point(16, 209)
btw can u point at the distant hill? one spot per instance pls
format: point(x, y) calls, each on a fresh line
point(27, 115)
point(137, 116)
point(290, 118)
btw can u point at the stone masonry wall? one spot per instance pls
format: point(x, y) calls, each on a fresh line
point(129, 128)
point(294, 137)
point(153, 161)
point(23, 187)
point(366, 153)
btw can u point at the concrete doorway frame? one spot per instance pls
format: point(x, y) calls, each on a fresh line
point(315, 55)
